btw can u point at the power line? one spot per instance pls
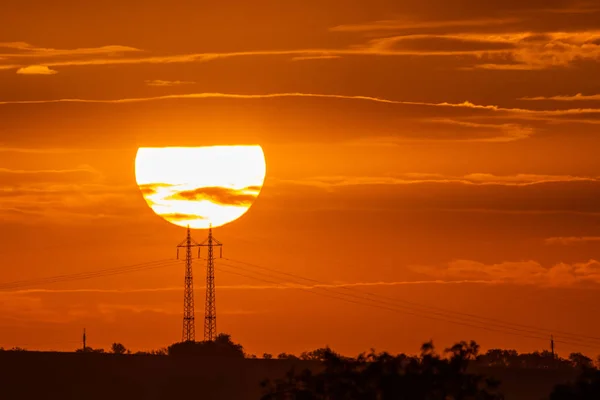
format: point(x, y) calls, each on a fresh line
point(465, 320)
point(21, 345)
point(87, 275)
point(495, 321)
point(393, 307)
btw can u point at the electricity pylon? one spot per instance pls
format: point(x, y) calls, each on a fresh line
point(210, 310)
point(189, 324)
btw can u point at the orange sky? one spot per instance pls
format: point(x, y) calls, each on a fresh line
point(406, 142)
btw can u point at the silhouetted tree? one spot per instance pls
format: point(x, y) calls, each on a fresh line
point(580, 361)
point(222, 346)
point(498, 358)
point(317, 355)
point(118, 348)
point(267, 356)
point(160, 352)
point(285, 356)
point(383, 376)
point(586, 387)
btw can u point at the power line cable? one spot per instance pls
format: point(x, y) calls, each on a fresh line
point(87, 275)
point(495, 321)
point(369, 302)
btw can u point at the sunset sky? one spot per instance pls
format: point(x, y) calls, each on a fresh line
point(445, 153)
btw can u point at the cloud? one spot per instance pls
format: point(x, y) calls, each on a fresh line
point(304, 58)
point(577, 97)
point(507, 67)
point(474, 179)
point(148, 189)
point(52, 150)
point(497, 51)
point(20, 176)
point(518, 273)
point(219, 195)
point(506, 132)
point(478, 133)
point(571, 240)
point(442, 43)
point(280, 286)
point(182, 217)
point(36, 70)
point(26, 50)
point(577, 8)
point(65, 199)
point(519, 50)
point(161, 83)
point(403, 24)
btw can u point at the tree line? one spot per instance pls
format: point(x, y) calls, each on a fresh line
point(429, 375)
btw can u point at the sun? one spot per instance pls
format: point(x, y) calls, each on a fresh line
point(200, 186)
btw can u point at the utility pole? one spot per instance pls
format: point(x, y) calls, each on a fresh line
point(189, 324)
point(552, 346)
point(84, 337)
point(210, 310)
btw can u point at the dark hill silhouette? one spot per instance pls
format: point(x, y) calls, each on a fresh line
point(219, 370)
point(585, 387)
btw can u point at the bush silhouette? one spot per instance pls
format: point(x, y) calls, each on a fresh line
point(222, 346)
point(381, 376)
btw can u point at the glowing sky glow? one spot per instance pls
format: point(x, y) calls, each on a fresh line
point(199, 186)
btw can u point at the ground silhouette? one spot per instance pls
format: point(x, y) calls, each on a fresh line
point(586, 386)
point(221, 370)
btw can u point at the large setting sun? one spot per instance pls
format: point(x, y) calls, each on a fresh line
point(200, 186)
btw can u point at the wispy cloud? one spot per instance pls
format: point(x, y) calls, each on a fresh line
point(219, 195)
point(518, 273)
point(576, 97)
point(206, 57)
point(26, 50)
point(571, 240)
point(182, 217)
point(519, 50)
point(403, 24)
point(153, 188)
point(476, 179)
point(511, 131)
point(281, 286)
point(580, 7)
point(36, 70)
point(50, 150)
point(161, 83)
point(64, 198)
point(83, 168)
point(305, 58)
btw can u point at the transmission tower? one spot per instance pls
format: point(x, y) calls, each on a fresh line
point(189, 324)
point(210, 311)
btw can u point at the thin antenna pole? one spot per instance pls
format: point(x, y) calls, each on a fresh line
point(552, 346)
point(84, 339)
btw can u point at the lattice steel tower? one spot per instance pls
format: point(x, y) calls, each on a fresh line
point(210, 310)
point(189, 324)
